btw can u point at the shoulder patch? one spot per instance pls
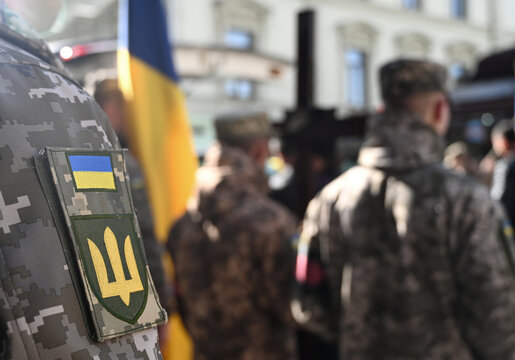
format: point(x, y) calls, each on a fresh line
point(93, 190)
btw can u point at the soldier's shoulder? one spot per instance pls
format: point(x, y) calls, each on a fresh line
point(352, 177)
point(461, 185)
point(265, 214)
point(24, 52)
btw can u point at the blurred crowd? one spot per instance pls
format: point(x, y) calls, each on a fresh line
point(406, 254)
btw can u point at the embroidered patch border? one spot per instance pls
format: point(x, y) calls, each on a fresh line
point(92, 240)
point(92, 154)
point(102, 209)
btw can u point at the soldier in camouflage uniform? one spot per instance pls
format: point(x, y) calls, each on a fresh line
point(400, 258)
point(231, 251)
point(58, 300)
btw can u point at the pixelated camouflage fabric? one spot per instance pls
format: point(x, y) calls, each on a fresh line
point(404, 259)
point(39, 307)
point(234, 263)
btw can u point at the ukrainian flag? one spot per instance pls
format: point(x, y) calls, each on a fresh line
point(92, 172)
point(160, 134)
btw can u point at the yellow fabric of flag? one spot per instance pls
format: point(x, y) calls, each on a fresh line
point(160, 134)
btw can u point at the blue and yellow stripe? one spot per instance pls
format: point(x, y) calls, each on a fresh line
point(160, 133)
point(92, 172)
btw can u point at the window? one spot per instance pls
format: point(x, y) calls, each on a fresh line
point(457, 72)
point(239, 39)
point(358, 48)
point(458, 9)
point(240, 89)
point(355, 78)
point(462, 56)
point(411, 4)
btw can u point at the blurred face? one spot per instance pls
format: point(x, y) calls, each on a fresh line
point(115, 111)
point(500, 145)
point(40, 14)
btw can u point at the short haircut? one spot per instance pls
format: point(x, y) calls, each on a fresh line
point(403, 78)
point(107, 90)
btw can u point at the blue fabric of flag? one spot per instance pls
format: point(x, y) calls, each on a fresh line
point(90, 163)
point(148, 43)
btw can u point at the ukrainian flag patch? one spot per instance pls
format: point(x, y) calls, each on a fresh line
point(92, 172)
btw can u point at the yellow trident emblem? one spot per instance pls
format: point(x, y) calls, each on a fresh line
point(121, 286)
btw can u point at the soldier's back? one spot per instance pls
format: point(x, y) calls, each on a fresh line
point(234, 268)
point(408, 239)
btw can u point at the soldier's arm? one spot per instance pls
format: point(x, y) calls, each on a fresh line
point(276, 257)
point(485, 279)
point(315, 305)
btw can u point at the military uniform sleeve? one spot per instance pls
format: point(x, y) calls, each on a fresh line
point(316, 303)
point(276, 257)
point(485, 279)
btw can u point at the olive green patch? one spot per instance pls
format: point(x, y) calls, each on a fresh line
point(102, 241)
point(113, 262)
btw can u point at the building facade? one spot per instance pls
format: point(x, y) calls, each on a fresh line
point(242, 53)
point(352, 39)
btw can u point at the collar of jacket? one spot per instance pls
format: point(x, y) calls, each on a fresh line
point(227, 176)
point(17, 48)
point(399, 141)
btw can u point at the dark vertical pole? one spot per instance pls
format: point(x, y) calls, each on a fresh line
point(305, 59)
point(514, 91)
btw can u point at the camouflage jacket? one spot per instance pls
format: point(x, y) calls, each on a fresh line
point(40, 312)
point(400, 258)
point(234, 263)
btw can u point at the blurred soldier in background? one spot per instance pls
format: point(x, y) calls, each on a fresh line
point(503, 180)
point(457, 156)
point(44, 296)
point(110, 98)
point(400, 258)
point(231, 250)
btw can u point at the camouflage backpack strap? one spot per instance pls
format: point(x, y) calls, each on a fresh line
point(378, 185)
point(90, 199)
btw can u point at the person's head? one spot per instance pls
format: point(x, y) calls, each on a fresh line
point(417, 86)
point(110, 98)
point(248, 131)
point(457, 156)
point(503, 137)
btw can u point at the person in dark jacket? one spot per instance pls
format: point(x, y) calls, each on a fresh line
point(503, 180)
point(399, 257)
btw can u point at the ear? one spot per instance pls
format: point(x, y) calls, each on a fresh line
point(441, 115)
point(259, 151)
point(438, 109)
